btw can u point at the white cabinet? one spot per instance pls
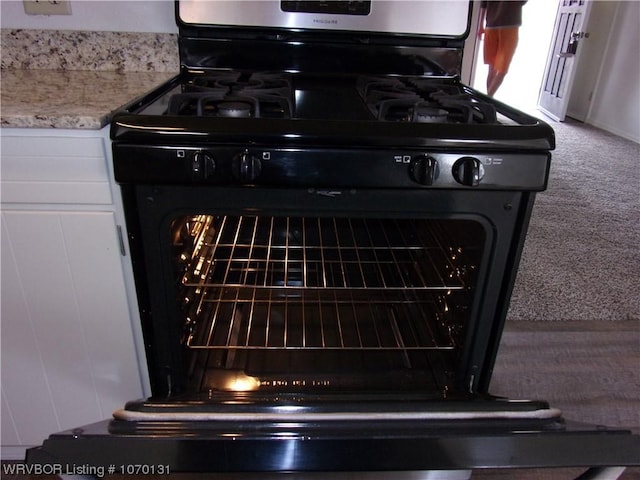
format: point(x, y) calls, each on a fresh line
point(67, 328)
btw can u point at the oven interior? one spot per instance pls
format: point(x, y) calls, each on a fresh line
point(287, 305)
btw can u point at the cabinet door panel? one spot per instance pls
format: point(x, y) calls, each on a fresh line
point(24, 379)
point(9, 432)
point(54, 170)
point(66, 317)
point(102, 304)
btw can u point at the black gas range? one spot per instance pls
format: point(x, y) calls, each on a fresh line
point(292, 129)
point(325, 227)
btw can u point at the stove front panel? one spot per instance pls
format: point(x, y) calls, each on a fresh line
point(325, 170)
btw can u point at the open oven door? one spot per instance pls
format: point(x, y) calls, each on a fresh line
point(387, 434)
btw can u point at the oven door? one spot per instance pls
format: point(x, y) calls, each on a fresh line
point(337, 330)
point(264, 292)
point(485, 433)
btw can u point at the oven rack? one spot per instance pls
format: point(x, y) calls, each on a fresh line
point(322, 253)
point(250, 318)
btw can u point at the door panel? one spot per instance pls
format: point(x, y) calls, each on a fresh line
point(565, 49)
point(592, 56)
point(67, 352)
point(29, 403)
point(339, 446)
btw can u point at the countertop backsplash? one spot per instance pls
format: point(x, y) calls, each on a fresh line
point(88, 50)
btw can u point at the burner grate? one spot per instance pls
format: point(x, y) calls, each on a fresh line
point(234, 95)
point(423, 101)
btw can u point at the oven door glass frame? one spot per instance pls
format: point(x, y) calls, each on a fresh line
point(502, 215)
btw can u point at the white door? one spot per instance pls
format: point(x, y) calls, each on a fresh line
point(564, 52)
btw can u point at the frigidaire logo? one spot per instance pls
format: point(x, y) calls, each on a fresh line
point(325, 21)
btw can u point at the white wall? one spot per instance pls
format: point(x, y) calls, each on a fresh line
point(110, 16)
point(616, 102)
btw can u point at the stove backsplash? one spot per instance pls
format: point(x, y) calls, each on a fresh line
point(265, 55)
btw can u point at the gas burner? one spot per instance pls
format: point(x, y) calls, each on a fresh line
point(212, 105)
point(426, 114)
point(234, 95)
point(411, 110)
point(234, 109)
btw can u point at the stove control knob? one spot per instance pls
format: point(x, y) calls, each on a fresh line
point(423, 169)
point(246, 167)
point(468, 171)
point(202, 166)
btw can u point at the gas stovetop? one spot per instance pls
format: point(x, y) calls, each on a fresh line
point(288, 96)
point(328, 109)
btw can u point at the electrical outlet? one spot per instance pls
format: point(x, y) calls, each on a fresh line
point(47, 7)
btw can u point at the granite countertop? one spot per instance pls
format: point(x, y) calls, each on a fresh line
point(79, 99)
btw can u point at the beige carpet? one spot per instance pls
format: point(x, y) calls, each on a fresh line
point(581, 259)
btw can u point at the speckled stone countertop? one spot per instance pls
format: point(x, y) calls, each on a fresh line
point(86, 50)
point(70, 98)
point(77, 79)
